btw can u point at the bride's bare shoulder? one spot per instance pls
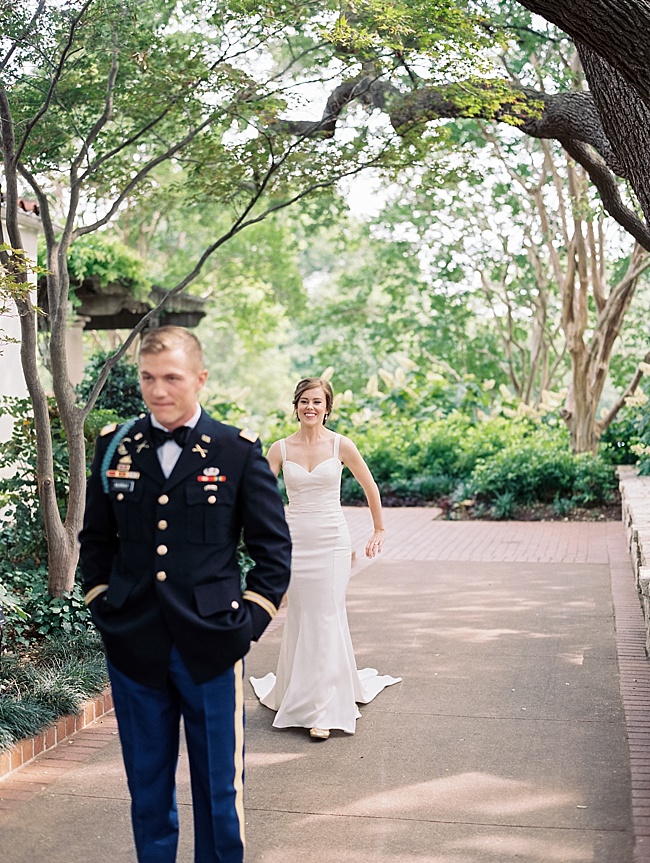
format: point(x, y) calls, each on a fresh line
point(347, 446)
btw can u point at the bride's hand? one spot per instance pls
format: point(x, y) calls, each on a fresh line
point(375, 543)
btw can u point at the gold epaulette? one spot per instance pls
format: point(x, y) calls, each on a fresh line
point(247, 434)
point(108, 429)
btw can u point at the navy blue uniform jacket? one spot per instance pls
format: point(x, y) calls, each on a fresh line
point(159, 556)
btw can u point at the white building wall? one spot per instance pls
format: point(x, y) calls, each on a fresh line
point(12, 380)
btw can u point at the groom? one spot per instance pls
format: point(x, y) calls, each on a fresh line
point(169, 498)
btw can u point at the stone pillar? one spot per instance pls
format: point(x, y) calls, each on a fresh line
point(75, 347)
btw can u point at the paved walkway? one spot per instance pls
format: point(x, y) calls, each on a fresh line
point(520, 731)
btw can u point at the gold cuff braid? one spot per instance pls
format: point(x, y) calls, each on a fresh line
point(94, 592)
point(262, 601)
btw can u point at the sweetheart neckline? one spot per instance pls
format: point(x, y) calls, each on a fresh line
point(290, 461)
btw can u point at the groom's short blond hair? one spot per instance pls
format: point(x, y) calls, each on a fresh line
point(171, 338)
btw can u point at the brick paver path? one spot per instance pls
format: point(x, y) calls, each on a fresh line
point(46, 769)
point(415, 534)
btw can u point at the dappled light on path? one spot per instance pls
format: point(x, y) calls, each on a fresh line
point(474, 797)
point(269, 759)
point(480, 636)
point(505, 741)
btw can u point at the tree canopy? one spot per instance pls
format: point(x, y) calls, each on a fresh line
point(186, 123)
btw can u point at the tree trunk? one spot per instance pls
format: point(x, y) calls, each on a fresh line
point(590, 362)
point(61, 537)
point(64, 559)
point(616, 60)
point(612, 28)
point(627, 128)
point(579, 412)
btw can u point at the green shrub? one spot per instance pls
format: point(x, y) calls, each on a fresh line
point(503, 505)
point(562, 505)
point(542, 470)
point(110, 262)
point(619, 440)
point(428, 487)
point(642, 426)
point(484, 439)
point(32, 615)
point(442, 447)
point(595, 480)
point(351, 491)
point(18, 457)
point(627, 440)
point(43, 616)
point(120, 394)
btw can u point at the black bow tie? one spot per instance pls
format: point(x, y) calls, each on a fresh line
point(180, 435)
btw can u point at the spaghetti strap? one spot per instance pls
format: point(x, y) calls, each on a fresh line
point(283, 450)
point(337, 441)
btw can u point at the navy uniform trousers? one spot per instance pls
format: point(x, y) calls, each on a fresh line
point(213, 720)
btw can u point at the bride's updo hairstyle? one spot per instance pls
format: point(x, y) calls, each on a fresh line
point(311, 384)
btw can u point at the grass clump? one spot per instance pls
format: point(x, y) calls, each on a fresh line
point(49, 681)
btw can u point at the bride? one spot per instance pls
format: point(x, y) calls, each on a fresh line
point(317, 685)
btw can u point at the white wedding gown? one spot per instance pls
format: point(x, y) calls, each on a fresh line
point(317, 683)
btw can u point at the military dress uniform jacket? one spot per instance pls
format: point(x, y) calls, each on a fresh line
point(159, 556)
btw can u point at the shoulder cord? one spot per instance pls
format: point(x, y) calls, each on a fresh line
point(112, 447)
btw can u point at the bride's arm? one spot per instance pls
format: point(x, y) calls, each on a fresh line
point(352, 459)
point(274, 458)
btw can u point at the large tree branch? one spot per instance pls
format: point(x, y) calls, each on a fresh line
point(627, 125)
point(570, 118)
point(605, 182)
point(611, 28)
point(538, 114)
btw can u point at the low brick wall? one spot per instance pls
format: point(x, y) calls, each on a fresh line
point(635, 500)
point(26, 750)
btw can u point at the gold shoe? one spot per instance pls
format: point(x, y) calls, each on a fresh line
point(319, 733)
